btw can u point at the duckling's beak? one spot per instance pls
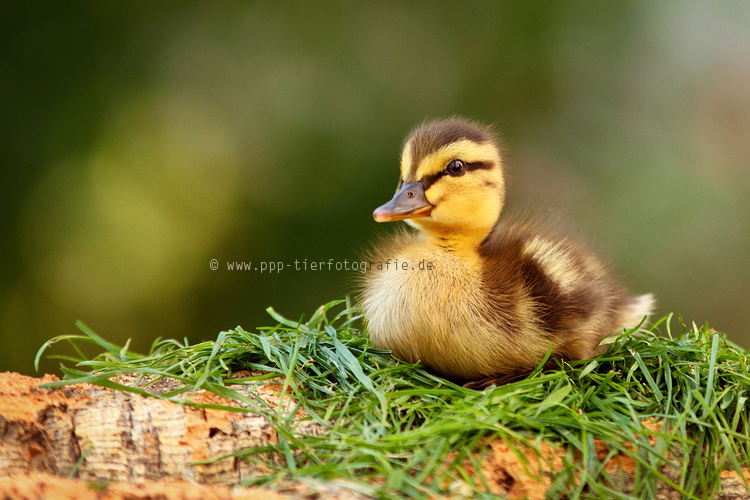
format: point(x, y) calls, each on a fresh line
point(407, 203)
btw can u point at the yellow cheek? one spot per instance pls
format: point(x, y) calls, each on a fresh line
point(436, 193)
point(464, 201)
point(458, 192)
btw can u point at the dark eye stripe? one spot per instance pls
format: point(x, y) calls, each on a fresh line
point(429, 180)
point(479, 165)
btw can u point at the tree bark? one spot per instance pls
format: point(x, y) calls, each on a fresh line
point(147, 445)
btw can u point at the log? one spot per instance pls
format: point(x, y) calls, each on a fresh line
point(144, 445)
point(45, 486)
point(135, 446)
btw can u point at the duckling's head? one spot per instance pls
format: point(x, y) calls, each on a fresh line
point(451, 182)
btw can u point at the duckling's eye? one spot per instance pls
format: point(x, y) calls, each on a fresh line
point(456, 167)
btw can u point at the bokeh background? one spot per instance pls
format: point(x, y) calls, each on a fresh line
point(140, 140)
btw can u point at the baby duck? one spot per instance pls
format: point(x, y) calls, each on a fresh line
point(470, 295)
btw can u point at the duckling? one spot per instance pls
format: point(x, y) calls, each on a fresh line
point(475, 297)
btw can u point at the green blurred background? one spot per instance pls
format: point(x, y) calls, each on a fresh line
point(140, 140)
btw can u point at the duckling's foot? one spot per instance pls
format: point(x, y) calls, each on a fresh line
point(483, 383)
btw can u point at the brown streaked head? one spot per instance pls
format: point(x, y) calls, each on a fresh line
point(429, 137)
point(451, 180)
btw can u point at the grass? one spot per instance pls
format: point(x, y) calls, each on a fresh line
point(402, 432)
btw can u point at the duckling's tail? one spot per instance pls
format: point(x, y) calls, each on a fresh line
point(633, 309)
